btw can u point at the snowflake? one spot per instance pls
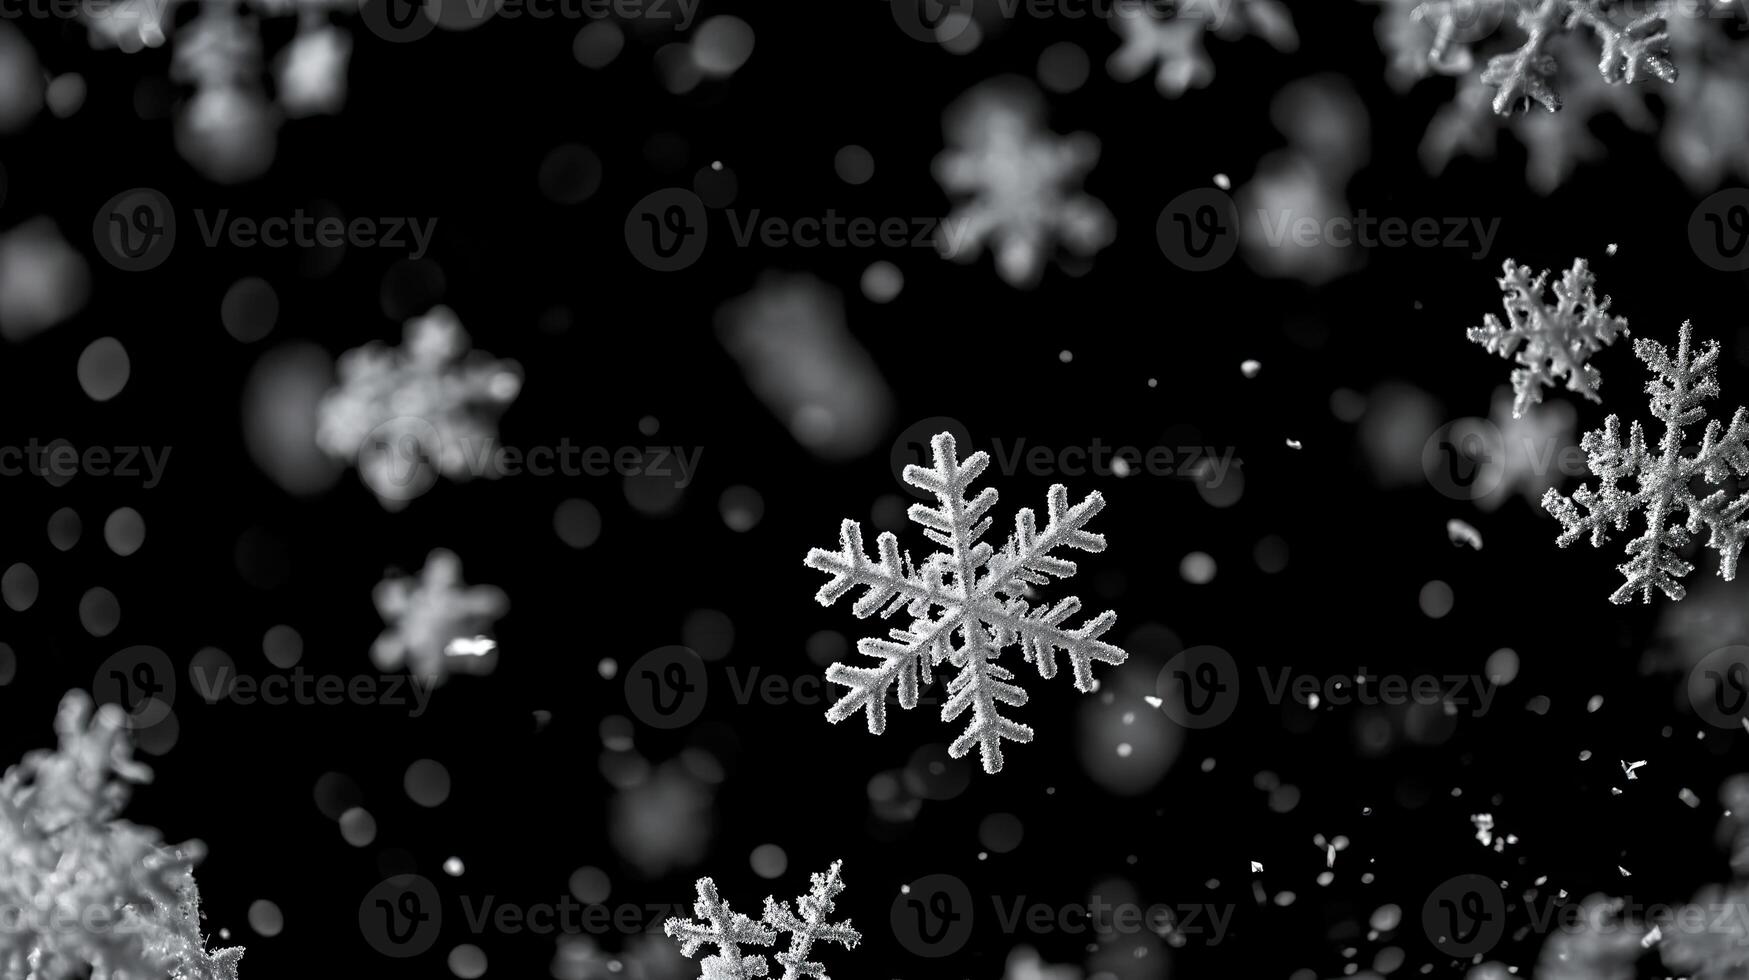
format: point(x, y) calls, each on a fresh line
point(229, 128)
point(1631, 50)
point(1174, 42)
point(1532, 447)
point(1677, 390)
point(1550, 342)
point(437, 626)
point(729, 931)
point(407, 414)
point(1019, 180)
point(1706, 135)
point(981, 594)
point(86, 893)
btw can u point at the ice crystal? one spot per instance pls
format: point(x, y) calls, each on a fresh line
point(1550, 342)
point(437, 625)
point(1706, 135)
point(407, 414)
point(981, 595)
point(88, 894)
point(1171, 44)
point(1664, 480)
point(229, 128)
point(728, 931)
point(1634, 48)
point(1017, 184)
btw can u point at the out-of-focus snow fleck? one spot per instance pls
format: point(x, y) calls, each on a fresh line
point(43, 281)
point(427, 614)
point(1462, 533)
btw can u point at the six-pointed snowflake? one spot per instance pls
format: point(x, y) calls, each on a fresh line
point(1020, 180)
point(980, 593)
point(728, 931)
point(1664, 475)
point(437, 625)
point(425, 408)
point(1550, 342)
point(1173, 42)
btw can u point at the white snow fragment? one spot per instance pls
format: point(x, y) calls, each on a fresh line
point(1687, 796)
point(1625, 873)
point(1484, 823)
point(1611, 249)
point(1629, 767)
point(1256, 866)
point(470, 646)
point(1153, 702)
point(1462, 533)
point(1223, 182)
point(1615, 791)
point(1592, 705)
point(1250, 368)
point(1650, 939)
point(1293, 444)
point(982, 593)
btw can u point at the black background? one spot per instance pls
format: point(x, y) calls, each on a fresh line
point(455, 126)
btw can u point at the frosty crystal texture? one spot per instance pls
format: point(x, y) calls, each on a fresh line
point(1550, 341)
point(728, 931)
point(1172, 44)
point(437, 625)
point(1664, 476)
point(87, 894)
point(407, 414)
point(980, 593)
point(1634, 47)
point(1017, 183)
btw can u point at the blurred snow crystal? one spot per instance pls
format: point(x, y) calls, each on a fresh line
point(407, 414)
point(1017, 183)
point(43, 281)
point(981, 593)
point(790, 338)
point(1172, 44)
point(728, 931)
point(1663, 477)
point(86, 893)
point(437, 625)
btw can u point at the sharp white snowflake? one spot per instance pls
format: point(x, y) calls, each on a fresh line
point(1664, 477)
point(437, 625)
point(982, 597)
point(728, 931)
point(1550, 342)
point(1633, 48)
point(1018, 184)
point(1171, 44)
point(407, 414)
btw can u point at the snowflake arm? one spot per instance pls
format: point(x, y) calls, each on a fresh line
point(969, 591)
point(725, 929)
point(1629, 53)
point(1550, 342)
point(810, 926)
point(1664, 478)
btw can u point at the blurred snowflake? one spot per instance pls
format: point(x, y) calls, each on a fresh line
point(982, 596)
point(87, 894)
point(1550, 341)
point(406, 414)
point(728, 931)
point(437, 625)
point(1018, 181)
point(1171, 43)
point(1678, 387)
